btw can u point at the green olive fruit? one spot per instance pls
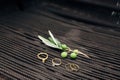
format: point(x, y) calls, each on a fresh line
point(64, 46)
point(73, 55)
point(75, 51)
point(64, 54)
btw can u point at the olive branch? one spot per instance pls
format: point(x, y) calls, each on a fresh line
point(55, 43)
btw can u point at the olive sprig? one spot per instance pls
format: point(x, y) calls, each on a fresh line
point(73, 53)
point(55, 43)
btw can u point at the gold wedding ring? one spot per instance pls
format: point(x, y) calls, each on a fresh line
point(56, 62)
point(40, 56)
point(67, 66)
point(72, 67)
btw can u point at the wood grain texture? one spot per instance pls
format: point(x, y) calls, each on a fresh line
point(19, 46)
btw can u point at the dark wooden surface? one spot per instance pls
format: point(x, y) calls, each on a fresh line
point(19, 46)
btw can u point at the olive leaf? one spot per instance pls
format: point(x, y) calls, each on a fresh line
point(58, 42)
point(53, 38)
point(47, 42)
